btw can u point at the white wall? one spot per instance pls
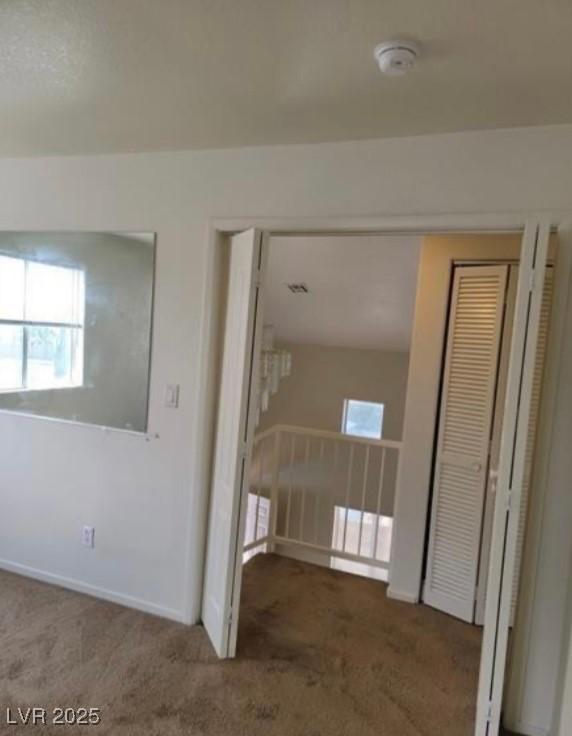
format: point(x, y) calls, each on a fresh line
point(323, 376)
point(148, 499)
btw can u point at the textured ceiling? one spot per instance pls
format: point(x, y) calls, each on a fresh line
point(361, 290)
point(80, 76)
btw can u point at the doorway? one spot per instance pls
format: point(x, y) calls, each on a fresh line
point(337, 320)
point(518, 406)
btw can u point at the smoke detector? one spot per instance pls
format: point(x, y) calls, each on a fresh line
point(396, 58)
point(298, 288)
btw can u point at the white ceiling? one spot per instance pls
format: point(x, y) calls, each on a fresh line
point(127, 75)
point(362, 290)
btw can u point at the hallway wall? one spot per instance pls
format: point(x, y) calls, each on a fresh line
point(148, 496)
point(323, 376)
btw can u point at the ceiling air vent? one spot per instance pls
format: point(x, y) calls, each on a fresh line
point(298, 288)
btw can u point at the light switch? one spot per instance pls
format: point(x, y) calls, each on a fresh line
point(172, 396)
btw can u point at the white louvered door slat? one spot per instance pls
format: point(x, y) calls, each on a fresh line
point(471, 362)
point(532, 425)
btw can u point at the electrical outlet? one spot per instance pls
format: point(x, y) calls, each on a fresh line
point(88, 536)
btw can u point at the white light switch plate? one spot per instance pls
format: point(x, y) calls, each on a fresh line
point(172, 396)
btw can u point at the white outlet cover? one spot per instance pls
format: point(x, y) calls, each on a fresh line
point(88, 536)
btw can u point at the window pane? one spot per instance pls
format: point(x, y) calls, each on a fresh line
point(385, 531)
point(54, 294)
point(11, 288)
point(11, 349)
point(55, 357)
point(363, 419)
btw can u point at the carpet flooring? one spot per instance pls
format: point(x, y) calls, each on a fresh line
point(320, 653)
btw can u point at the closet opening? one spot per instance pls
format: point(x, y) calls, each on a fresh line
point(479, 331)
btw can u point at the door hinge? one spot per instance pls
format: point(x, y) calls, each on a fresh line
point(493, 478)
point(243, 451)
point(490, 711)
point(258, 280)
point(532, 282)
point(509, 500)
point(229, 617)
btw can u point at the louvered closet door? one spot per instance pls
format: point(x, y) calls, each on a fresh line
point(466, 412)
point(543, 327)
point(530, 444)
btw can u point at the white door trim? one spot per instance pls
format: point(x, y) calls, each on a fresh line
point(422, 224)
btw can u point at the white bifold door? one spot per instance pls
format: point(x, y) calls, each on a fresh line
point(465, 454)
point(233, 441)
point(474, 340)
point(490, 495)
point(479, 336)
point(518, 407)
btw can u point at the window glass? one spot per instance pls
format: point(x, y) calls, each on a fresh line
point(346, 533)
point(11, 356)
point(257, 524)
point(12, 274)
point(53, 357)
point(41, 325)
point(363, 419)
point(54, 294)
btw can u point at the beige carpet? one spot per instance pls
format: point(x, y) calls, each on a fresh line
point(321, 653)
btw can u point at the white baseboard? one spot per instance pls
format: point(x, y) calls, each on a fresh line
point(92, 590)
point(527, 729)
point(399, 595)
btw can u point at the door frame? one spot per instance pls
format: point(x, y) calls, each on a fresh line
point(220, 228)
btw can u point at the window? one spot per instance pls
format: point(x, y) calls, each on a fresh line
point(257, 523)
point(41, 325)
point(362, 419)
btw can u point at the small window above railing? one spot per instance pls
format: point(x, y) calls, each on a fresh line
point(362, 419)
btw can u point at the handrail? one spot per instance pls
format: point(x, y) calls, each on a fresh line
point(318, 478)
point(326, 434)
